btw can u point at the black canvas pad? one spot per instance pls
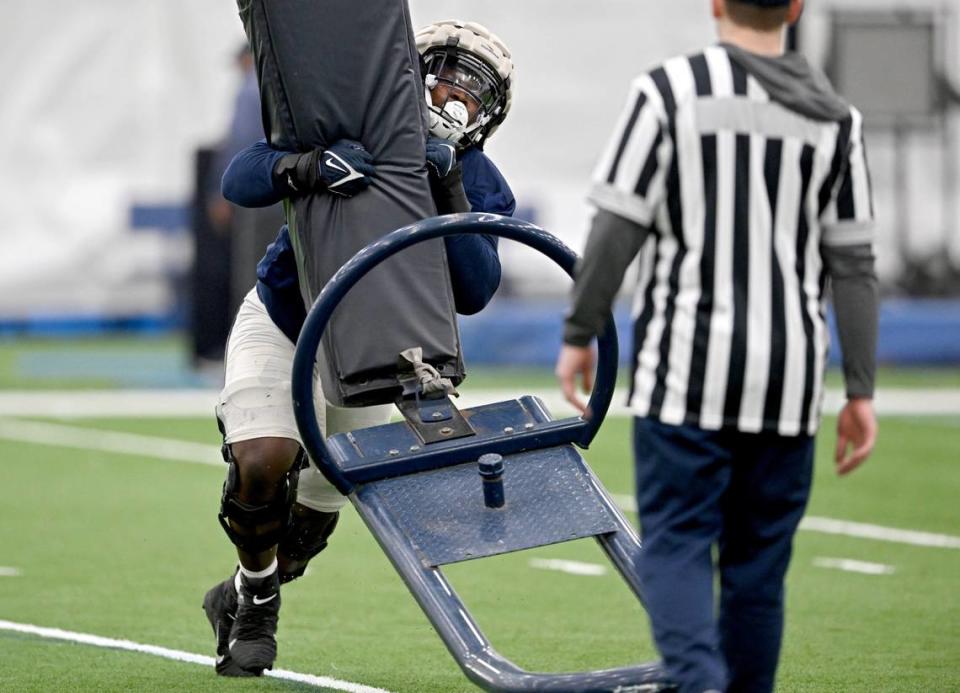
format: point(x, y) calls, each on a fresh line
point(343, 69)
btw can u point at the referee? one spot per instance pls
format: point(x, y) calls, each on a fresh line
point(739, 177)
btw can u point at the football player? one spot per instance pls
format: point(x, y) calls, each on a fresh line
point(276, 508)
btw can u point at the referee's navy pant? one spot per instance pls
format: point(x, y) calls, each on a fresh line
point(744, 493)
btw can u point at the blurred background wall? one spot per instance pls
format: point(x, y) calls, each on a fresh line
point(104, 105)
point(110, 109)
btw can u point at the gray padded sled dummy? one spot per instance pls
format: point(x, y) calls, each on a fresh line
point(342, 69)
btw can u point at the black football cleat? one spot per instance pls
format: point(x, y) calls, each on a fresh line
point(252, 641)
point(220, 605)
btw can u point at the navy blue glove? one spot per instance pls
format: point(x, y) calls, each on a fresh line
point(441, 157)
point(345, 168)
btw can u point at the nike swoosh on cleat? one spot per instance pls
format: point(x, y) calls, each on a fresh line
point(220, 658)
point(232, 643)
point(258, 601)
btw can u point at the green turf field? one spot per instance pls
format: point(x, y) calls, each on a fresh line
point(124, 546)
point(151, 361)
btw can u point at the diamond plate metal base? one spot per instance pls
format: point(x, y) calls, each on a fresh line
point(549, 499)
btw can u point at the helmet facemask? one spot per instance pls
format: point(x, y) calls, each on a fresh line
point(465, 96)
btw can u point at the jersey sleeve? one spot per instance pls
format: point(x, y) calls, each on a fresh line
point(474, 260)
point(248, 180)
point(848, 218)
point(486, 188)
point(629, 179)
point(474, 270)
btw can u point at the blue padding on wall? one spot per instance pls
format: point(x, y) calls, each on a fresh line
point(68, 326)
point(170, 218)
point(527, 332)
point(918, 332)
point(523, 332)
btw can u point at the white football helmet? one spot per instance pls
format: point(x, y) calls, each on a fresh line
point(468, 80)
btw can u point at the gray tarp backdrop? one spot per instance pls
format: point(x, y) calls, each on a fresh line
point(345, 69)
point(85, 256)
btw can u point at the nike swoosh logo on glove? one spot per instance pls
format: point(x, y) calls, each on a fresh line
point(332, 163)
point(335, 162)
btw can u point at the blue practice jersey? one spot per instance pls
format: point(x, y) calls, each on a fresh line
point(473, 259)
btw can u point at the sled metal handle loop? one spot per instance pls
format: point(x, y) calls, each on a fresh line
point(378, 251)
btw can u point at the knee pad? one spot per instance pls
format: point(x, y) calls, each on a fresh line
point(306, 537)
point(250, 517)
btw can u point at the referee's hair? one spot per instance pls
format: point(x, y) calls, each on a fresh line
point(756, 17)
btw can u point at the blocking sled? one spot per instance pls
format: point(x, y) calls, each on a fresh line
point(418, 487)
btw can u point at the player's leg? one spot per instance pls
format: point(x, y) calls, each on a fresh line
point(258, 497)
point(766, 500)
point(316, 512)
point(681, 474)
point(263, 456)
point(307, 536)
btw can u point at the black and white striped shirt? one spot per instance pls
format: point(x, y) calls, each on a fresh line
point(740, 193)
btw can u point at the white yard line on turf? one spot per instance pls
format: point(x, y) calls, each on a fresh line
point(189, 403)
point(851, 566)
point(180, 656)
point(860, 530)
point(108, 403)
point(109, 441)
point(7, 571)
point(865, 531)
point(571, 567)
point(62, 435)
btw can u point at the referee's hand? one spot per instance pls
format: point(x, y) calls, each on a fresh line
point(856, 434)
point(575, 361)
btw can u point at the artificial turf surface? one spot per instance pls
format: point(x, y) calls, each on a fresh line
point(124, 547)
